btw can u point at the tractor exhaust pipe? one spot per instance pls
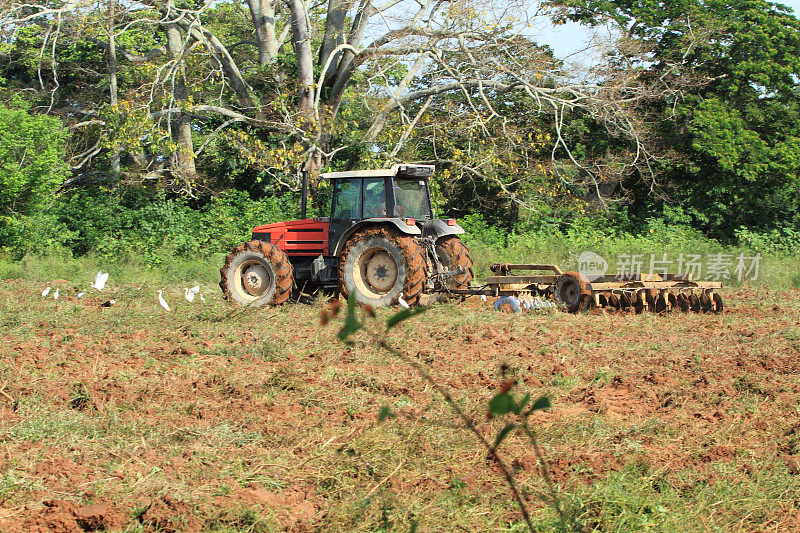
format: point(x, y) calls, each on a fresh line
point(304, 197)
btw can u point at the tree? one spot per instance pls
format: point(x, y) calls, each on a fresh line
point(285, 86)
point(733, 123)
point(32, 164)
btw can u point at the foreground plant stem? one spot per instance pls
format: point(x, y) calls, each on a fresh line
point(468, 423)
point(543, 465)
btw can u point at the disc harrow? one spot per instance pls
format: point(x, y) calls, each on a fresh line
point(575, 291)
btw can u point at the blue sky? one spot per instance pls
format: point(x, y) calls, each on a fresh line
point(570, 38)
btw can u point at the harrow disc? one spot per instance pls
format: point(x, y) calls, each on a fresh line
point(683, 303)
point(625, 301)
point(694, 303)
point(507, 304)
point(659, 301)
point(638, 303)
point(602, 300)
point(651, 301)
point(705, 303)
point(717, 303)
point(673, 301)
point(661, 304)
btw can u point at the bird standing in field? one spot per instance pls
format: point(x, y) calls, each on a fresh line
point(80, 294)
point(402, 302)
point(100, 280)
point(202, 299)
point(191, 293)
point(162, 301)
point(46, 292)
point(56, 294)
point(483, 297)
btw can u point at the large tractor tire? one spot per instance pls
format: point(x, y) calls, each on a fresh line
point(454, 254)
point(380, 265)
point(256, 274)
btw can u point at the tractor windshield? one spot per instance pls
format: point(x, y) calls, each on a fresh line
point(411, 199)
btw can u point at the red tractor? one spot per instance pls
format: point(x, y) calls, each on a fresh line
point(381, 243)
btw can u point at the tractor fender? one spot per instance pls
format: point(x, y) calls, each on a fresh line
point(399, 223)
point(440, 228)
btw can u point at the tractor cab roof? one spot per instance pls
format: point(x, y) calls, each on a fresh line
point(398, 171)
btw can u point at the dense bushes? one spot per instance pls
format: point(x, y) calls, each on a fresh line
point(32, 168)
point(131, 222)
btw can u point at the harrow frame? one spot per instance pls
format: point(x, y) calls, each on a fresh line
point(575, 291)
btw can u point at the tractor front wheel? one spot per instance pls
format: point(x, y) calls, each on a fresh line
point(255, 274)
point(380, 265)
point(455, 257)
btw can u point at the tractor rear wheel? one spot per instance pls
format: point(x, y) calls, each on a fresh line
point(454, 255)
point(380, 265)
point(256, 273)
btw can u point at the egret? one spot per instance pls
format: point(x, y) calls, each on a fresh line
point(201, 298)
point(402, 302)
point(191, 293)
point(162, 301)
point(80, 294)
point(56, 294)
point(46, 292)
point(100, 280)
point(483, 297)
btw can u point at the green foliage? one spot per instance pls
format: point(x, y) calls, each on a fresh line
point(351, 322)
point(132, 221)
point(478, 229)
point(32, 168)
point(404, 314)
point(781, 241)
point(735, 131)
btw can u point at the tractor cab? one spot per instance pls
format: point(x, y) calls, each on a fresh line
point(399, 196)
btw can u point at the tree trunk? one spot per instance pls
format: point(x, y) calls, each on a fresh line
point(180, 126)
point(263, 15)
point(112, 81)
point(302, 50)
point(334, 36)
point(347, 64)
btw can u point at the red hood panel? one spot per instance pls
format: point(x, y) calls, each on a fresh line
point(306, 237)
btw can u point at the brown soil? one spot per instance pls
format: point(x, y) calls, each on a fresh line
point(185, 421)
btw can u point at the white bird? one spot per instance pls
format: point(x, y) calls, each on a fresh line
point(56, 294)
point(100, 280)
point(191, 293)
point(201, 298)
point(80, 294)
point(402, 302)
point(45, 292)
point(162, 301)
point(483, 297)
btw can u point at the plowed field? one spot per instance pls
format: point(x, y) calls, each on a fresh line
point(213, 417)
